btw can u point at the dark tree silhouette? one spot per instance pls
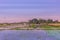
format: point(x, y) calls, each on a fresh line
point(35, 21)
point(42, 21)
point(49, 21)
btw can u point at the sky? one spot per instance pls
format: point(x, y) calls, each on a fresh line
point(24, 10)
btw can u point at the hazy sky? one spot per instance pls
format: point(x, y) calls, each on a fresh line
point(22, 10)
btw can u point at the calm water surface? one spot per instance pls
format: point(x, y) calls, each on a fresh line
point(30, 35)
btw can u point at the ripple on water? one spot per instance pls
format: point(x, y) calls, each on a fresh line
point(29, 35)
point(55, 34)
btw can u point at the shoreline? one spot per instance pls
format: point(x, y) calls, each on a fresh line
point(29, 29)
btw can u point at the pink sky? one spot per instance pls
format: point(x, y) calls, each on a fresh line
point(23, 10)
point(23, 19)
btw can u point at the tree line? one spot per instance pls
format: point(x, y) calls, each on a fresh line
point(38, 21)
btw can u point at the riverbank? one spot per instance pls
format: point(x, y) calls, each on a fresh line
point(31, 27)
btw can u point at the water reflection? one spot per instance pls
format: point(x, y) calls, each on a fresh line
point(30, 35)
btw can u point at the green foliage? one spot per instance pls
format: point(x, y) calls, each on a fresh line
point(33, 26)
point(17, 28)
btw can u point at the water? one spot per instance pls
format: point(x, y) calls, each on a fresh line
point(30, 35)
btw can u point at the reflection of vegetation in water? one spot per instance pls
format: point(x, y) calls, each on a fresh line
point(51, 32)
point(39, 38)
point(54, 33)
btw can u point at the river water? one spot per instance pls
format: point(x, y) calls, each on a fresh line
point(30, 35)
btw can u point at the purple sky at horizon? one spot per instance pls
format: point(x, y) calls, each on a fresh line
point(23, 10)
